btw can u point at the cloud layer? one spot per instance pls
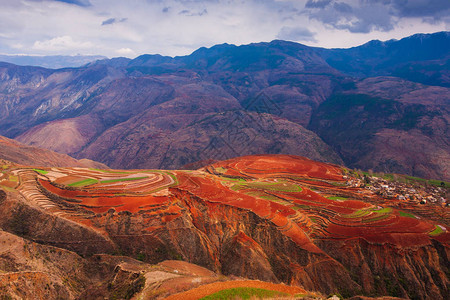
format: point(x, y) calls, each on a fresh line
point(177, 27)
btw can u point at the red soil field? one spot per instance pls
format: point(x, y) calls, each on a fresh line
point(256, 203)
point(258, 166)
point(254, 184)
point(101, 204)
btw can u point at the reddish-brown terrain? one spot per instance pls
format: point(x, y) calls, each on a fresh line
point(275, 218)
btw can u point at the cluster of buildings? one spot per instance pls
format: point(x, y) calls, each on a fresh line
point(418, 193)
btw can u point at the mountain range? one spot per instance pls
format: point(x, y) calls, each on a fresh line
point(381, 106)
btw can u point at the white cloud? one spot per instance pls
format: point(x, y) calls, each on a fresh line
point(61, 44)
point(178, 27)
point(17, 46)
point(299, 34)
point(126, 52)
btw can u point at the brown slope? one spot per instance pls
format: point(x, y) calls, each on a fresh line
point(32, 271)
point(63, 136)
point(390, 125)
point(129, 103)
point(407, 152)
point(16, 152)
point(209, 136)
point(178, 131)
point(118, 101)
point(32, 95)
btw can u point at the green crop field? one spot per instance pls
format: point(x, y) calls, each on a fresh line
point(175, 179)
point(234, 179)
point(221, 169)
point(437, 231)
point(7, 188)
point(314, 219)
point(358, 214)
point(375, 218)
point(301, 206)
point(282, 186)
point(439, 183)
point(262, 195)
point(334, 183)
point(243, 293)
point(370, 215)
point(405, 214)
point(386, 210)
point(84, 182)
point(166, 173)
point(110, 171)
point(122, 179)
point(337, 198)
point(43, 172)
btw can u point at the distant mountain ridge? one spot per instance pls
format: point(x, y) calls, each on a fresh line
point(163, 112)
point(423, 58)
point(51, 61)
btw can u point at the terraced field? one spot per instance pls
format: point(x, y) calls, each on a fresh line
point(333, 211)
point(281, 189)
point(234, 204)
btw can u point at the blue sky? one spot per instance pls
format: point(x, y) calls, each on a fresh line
point(178, 27)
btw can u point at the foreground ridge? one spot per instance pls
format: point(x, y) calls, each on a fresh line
point(276, 218)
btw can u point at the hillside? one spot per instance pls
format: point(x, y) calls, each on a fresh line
point(153, 111)
point(274, 218)
point(386, 124)
point(15, 152)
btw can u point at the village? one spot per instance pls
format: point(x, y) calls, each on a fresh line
point(417, 192)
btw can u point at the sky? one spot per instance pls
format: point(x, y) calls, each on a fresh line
point(178, 27)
